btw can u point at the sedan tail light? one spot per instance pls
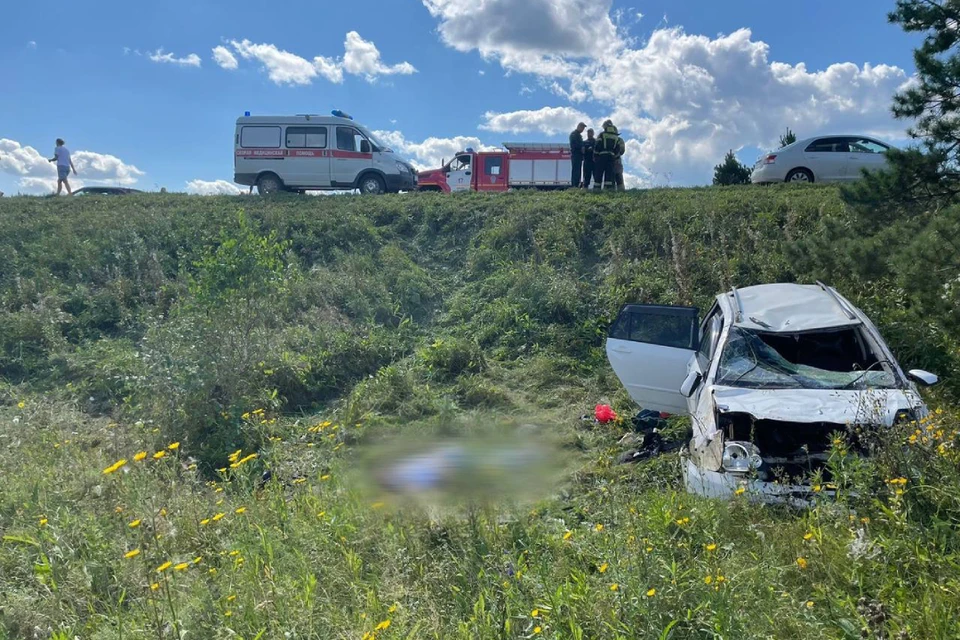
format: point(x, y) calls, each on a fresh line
point(770, 159)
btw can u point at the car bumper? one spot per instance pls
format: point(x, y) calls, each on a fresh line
point(717, 484)
point(248, 179)
point(401, 182)
point(766, 173)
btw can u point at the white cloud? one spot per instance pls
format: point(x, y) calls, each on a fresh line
point(531, 36)
point(189, 60)
point(282, 67)
point(32, 44)
point(223, 57)
point(548, 120)
point(37, 174)
point(431, 152)
point(361, 57)
point(213, 188)
point(682, 99)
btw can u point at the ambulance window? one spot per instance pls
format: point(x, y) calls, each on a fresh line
point(307, 137)
point(492, 165)
point(348, 139)
point(260, 137)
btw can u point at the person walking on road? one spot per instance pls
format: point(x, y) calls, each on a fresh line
point(576, 155)
point(588, 146)
point(608, 148)
point(61, 155)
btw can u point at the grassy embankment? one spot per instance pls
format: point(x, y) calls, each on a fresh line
point(309, 328)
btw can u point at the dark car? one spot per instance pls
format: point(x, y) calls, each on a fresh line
point(105, 191)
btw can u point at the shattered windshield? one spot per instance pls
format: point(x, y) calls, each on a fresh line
point(827, 360)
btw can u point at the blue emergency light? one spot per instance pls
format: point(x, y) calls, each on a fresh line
point(340, 114)
point(469, 149)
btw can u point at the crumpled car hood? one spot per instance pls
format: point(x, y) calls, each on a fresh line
point(873, 406)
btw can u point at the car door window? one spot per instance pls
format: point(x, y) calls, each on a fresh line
point(348, 139)
point(828, 145)
point(709, 336)
point(660, 325)
point(866, 145)
point(492, 165)
point(460, 163)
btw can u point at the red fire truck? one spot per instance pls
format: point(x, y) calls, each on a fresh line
point(519, 165)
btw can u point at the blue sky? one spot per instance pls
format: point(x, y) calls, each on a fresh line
point(684, 81)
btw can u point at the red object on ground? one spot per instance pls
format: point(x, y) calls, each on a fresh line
point(604, 414)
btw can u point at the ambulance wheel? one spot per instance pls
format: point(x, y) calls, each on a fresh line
point(268, 184)
point(372, 184)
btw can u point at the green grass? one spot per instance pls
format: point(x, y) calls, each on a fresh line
point(359, 325)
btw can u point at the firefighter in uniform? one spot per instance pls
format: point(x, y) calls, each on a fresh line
point(576, 155)
point(608, 148)
point(588, 146)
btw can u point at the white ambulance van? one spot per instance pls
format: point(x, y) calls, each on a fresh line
point(313, 152)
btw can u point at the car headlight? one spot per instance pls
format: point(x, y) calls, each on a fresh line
point(403, 168)
point(741, 457)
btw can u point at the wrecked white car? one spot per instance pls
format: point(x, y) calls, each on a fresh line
point(769, 374)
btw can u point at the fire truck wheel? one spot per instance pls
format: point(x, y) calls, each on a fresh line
point(372, 184)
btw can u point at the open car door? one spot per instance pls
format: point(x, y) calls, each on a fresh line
point(649, 347)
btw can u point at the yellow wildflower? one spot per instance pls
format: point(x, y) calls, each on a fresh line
point(159, 454)
point(651, 593)
point(614, 587)
point(649, 549)
point(21, 404)
point(181, 566)
point(134, 524)
point(537, 630)
point(325, 477)
point(378, 505)
point(235, 455)
point(166, 565)
point(392, 608)
point(603, 568)
point(739, 491)
point(720, 579)
point(383, 626)
point(231, 598)
point(711, 547)
point(132, 554)
point(568, 535)
point(299, 481)
point(137, 457)
point(802, 563)
point(163, 512)
point(173, 446)
point(218, 517)
point(598, 528)
point(809, 604)
point(235, 552)
point(205, 522)
point(227, 614)
point(817, 488)
point(115, 466)
point(154, 586)
point(320, 514)
point(241, 510)
point(43, 522)
point(535, 613)
point(708, 580)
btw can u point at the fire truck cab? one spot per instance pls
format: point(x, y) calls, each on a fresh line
point(532, 165)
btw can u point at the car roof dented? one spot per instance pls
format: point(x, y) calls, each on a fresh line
point(790, 308)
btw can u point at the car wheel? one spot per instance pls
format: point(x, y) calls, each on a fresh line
point(800, 175)
point(268, 184)
point(372, 184)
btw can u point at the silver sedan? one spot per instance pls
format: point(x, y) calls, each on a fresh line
point(822, 159)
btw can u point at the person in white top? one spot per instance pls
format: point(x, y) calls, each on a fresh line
point(61, 155)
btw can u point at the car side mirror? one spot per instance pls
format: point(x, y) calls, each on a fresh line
point(923, 377)
point(364, 146)
point(690, 383)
